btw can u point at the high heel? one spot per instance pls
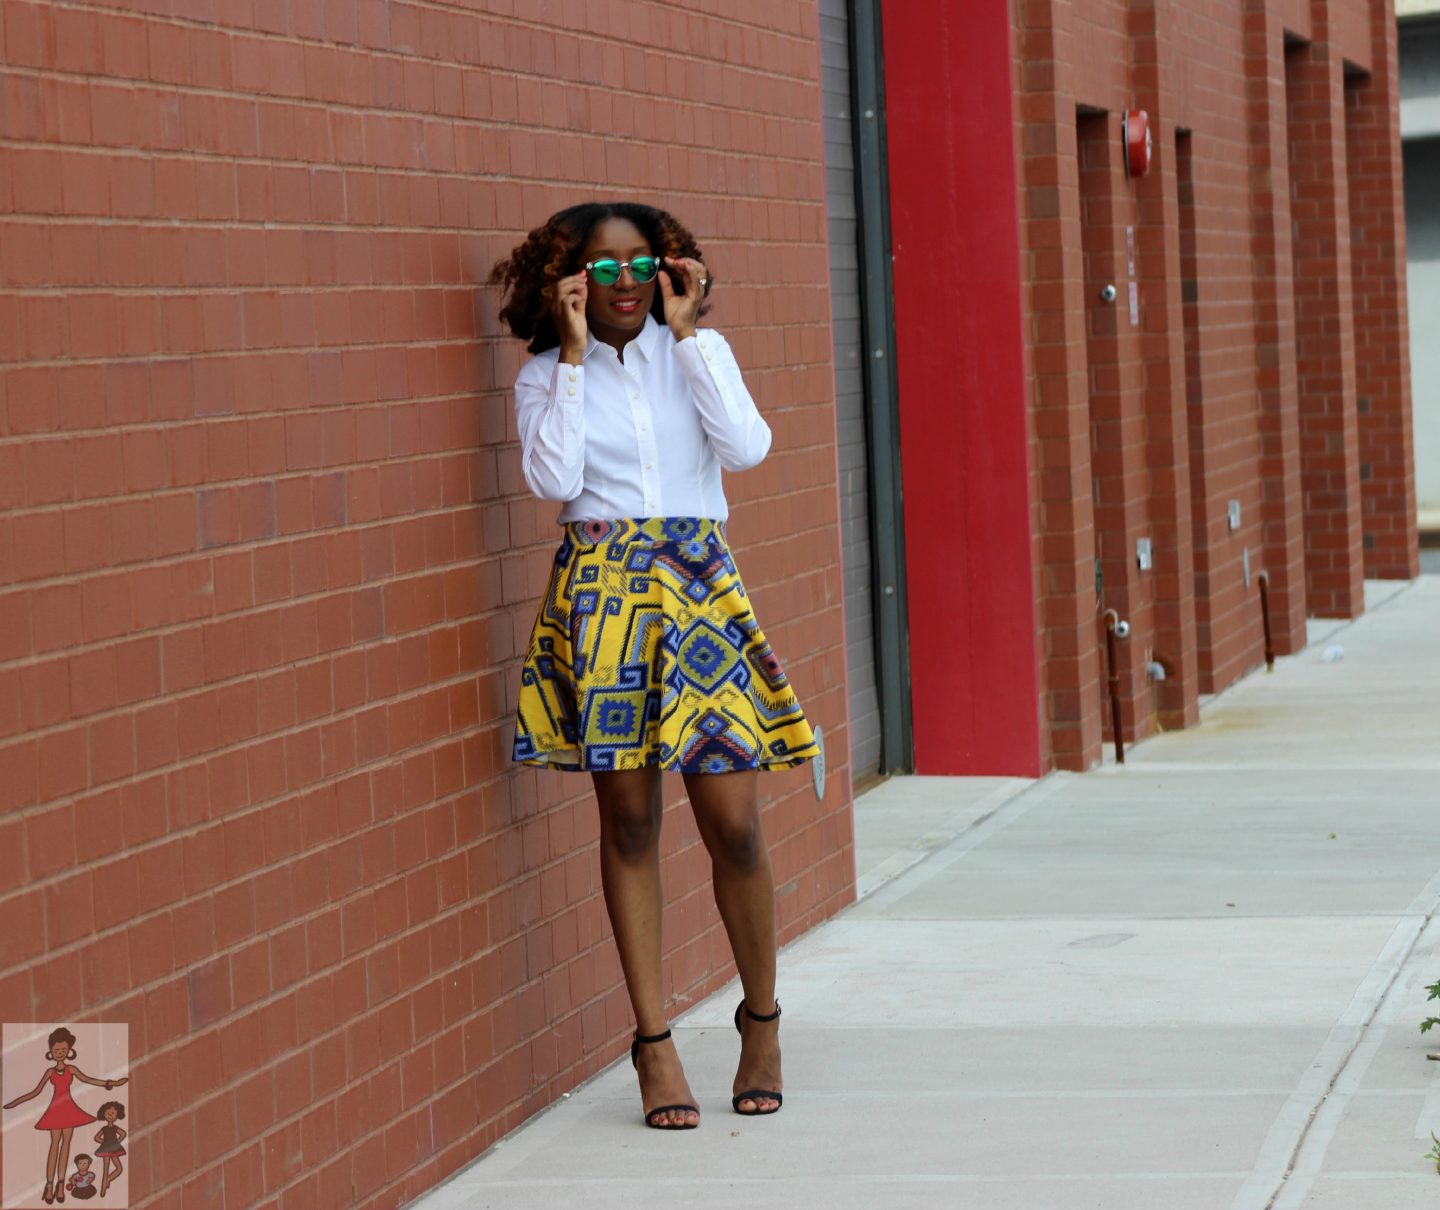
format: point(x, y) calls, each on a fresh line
point(650, 1118)
point(47, 1197)
point(754, 1094)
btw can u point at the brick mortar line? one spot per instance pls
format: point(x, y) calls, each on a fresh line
point(494, 395)
point(319, 722)
point(65, 578)
point(261, 610)
point(40, 808)
point(178, 695)
point(255, 610)
point(469, 13)
point(128, 151)
point(418, 55)
point(188, 225)
point(211, 891)
point(247, 545)
point(769, 31)
point(323, 105)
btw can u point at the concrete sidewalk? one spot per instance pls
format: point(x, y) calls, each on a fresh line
point(1191, 983)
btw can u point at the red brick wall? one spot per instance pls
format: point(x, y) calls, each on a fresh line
point(1325, 329)
point(1281, 513)
point(1382, 341)
point(1062, 499)
point(1259, 407)
point(267, 562)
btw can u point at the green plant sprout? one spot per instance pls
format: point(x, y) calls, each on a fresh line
point(1434, 990)
point(1434, 1152)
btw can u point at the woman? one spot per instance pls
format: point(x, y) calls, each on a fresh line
point(62, 1115)
point(645, 655)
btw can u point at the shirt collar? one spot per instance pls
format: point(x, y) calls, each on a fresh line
point(645, 341)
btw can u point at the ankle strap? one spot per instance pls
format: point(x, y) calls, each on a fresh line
point(754, 1016)
point(652, 1037)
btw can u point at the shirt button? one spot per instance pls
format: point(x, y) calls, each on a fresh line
point(571, 391)
point(649, 466)
point(572, 377)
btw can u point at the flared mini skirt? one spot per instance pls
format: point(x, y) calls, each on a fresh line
point(646, 652)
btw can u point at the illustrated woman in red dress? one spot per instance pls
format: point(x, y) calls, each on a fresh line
point(63, 1115)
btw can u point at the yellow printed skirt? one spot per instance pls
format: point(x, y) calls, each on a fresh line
point(645, 652)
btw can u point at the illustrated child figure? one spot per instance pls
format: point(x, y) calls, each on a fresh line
point(82, 1184)
point(108, 1143)
point(63, 1115)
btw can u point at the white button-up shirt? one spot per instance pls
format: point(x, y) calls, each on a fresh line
point(646, 437)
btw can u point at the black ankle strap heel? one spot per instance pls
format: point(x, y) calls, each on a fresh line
point(753, 1015)
point(754, 1094)
point(653, 1115)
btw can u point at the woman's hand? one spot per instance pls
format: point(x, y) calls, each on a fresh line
point(568, 311)
point(682, 305)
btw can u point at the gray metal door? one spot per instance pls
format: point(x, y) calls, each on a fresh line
point(845, 303)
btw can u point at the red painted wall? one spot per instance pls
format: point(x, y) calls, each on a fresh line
point(949, 110)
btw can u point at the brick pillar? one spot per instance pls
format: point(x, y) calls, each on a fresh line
point(1172, 639)
point(1324, 325)
point(1282, 510)
point(1382, 341)
point(1118, 427)
point(1064, 525)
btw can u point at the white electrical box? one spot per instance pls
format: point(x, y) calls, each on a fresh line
point(1232, 512)
point(1143, 556)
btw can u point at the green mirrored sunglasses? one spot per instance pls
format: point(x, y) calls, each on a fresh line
point(606, 271)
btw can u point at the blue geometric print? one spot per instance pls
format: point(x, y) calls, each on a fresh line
point(645, 652)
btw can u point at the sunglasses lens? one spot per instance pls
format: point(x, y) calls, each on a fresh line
point(606, 272)
point(643, 268)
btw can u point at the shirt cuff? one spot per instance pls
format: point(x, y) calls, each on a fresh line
point(568, 386)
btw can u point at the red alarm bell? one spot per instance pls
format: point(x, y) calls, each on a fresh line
point(1139, 146)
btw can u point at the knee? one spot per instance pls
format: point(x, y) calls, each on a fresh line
point(632, 828)
point(738, 844)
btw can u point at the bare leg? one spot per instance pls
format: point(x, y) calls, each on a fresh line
point(727, 811)
point(630, 873)
point(51, 1159)
point(63, 1164)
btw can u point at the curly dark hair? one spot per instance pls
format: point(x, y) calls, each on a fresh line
point(61, 1035)
point(119, 1111)
point(552, 251)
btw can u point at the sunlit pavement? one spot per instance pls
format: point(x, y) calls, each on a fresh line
point(1190, 983)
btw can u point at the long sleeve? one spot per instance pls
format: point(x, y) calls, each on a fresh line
point(550, 414)
point(737, 431)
